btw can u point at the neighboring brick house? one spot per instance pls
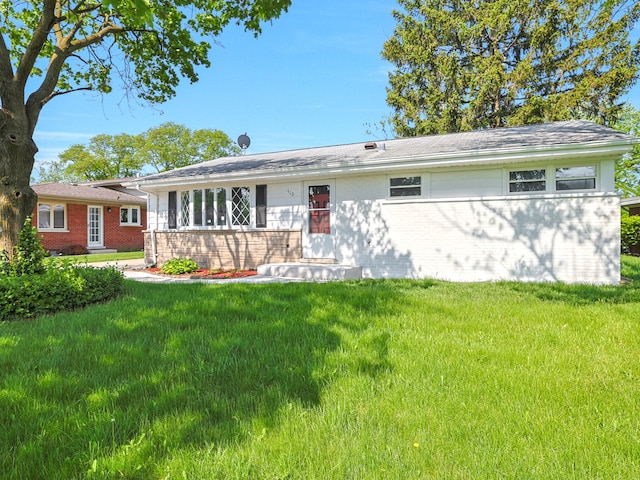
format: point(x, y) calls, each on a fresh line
point(632, 205)
point(74, 218)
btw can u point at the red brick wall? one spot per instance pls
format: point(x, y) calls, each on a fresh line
point(115, 236)
point(123, 238)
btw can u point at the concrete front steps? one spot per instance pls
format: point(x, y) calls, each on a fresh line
point(311, 270)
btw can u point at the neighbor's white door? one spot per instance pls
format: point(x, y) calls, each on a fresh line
point(95, 233)
point(319, 230)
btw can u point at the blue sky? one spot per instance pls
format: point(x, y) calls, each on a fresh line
point(315, 77)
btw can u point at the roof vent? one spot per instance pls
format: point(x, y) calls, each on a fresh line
point(370, 146)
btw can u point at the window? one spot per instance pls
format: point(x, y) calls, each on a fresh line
point(184, 209)
point(405, 187)
point(261, 206)
point(576, 178)
point(172, 219)
point(51, 216)
point(129, 215)
point(221, 206)
point(527, 181)
point(320, 209)
point(215, 207)
point(197, 208)
point(240, 206)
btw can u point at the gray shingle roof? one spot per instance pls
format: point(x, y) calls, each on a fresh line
point(630, 202)
point(548, 135)
point(86, 193)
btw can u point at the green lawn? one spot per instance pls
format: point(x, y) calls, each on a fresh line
point(355, 380)
point(104, 257)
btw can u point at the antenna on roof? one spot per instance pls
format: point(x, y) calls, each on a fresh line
point(244, 141)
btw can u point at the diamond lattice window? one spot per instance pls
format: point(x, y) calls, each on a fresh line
point(240, 206)
point(184, 209)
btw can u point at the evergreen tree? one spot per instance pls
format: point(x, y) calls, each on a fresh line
point(464, 65)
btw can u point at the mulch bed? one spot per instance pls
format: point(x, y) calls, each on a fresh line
point(205, 273)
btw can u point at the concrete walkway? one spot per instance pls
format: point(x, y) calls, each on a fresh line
point(133, 270)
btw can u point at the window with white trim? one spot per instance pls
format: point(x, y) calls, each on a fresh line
point(130, 216)
point(52, 216)
point(240, 206)
point(405, 186)
point(527, 180)
point(197, 208)
point(576, 178)
point(185, 208)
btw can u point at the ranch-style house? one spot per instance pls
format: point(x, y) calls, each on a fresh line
point(530, 203)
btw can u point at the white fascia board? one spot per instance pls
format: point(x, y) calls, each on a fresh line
point(603, 150)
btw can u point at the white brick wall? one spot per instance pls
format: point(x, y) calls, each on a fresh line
point(464, 227)
point(569, 239)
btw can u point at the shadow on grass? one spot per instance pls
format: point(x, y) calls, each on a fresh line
point(119, 387)
point(579, 294)
point(589, 294)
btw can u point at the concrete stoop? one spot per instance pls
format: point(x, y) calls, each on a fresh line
point(311, 271)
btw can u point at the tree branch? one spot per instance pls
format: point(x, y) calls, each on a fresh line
point(6, 70)
point(44, 93)
point(38, 39)
point(56, 94)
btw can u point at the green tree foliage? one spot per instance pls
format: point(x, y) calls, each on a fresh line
point(105, 157)
point(171, 146)
point(462, 65)
point(629, 232)
point(49, 48)
point(158, 149)
point(628, 167)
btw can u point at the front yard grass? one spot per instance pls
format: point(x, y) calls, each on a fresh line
point(103, 257)
point(356, 380)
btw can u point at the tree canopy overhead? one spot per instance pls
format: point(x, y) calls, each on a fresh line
point(53, 47)
point(462, 65)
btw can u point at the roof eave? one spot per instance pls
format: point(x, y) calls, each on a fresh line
point(605, 149)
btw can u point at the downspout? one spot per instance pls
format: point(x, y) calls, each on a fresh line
point(152, 230)
point(154, 245)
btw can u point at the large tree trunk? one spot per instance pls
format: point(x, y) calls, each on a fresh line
point(17, 198)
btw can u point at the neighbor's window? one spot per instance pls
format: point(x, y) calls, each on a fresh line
point(130, 216)
point(51, 216)
point(405, 186)
point(576, 178)
point(527, 181)
point(240, 206)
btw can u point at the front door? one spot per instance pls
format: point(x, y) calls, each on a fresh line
point(95, 231)
point(319, 227)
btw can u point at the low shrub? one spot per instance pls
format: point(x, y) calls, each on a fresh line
point(28, 254)
point(57, 289)
point(33, 284)
point(74, 250)
point(177, 266)
point(629, 232)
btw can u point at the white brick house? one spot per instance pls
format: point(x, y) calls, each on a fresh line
point(532, 203)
